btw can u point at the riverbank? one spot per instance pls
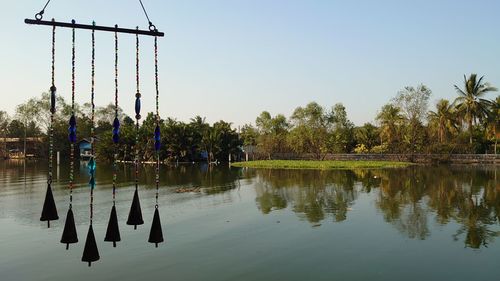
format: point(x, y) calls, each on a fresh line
point(319, 165)
point(474, 159)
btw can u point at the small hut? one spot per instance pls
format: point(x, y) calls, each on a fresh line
point(85, 149)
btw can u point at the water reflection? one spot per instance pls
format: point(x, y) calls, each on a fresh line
point(411, 200)
point(313, 195)
point(407, 198)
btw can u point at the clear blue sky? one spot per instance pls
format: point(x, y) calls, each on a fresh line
point(228, 59)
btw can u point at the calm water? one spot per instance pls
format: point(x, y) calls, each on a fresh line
point(418, 223)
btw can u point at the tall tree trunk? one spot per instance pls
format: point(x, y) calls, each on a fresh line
point(470, 130)
point(496, 139)
point(441, 134)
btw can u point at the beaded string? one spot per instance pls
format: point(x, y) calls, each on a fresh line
point(92, 162)
point(157, 129)
point(116, 122)
point(52, 106)
point(53, 53)
point(137, 112)
point(72, 121)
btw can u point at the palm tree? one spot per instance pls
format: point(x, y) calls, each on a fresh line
point(470, 102)
point(443, 118)
point(493, 120)
point(390, 119)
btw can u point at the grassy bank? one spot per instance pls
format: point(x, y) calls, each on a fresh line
point(320, 165)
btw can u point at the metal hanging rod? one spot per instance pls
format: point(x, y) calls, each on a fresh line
point(152, 32)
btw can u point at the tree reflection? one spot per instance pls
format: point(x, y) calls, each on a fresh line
point(314, 195)
point(407, 198)
point(212, 179)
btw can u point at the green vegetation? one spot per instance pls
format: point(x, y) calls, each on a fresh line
point(468, 124)
point(405, 125)
point(193, 141)
point(319, 165)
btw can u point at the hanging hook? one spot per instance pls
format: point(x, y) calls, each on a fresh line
point(39, 15)
point(152, 27)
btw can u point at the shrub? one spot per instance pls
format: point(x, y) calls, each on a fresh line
point(379, 149)
point(360, 148)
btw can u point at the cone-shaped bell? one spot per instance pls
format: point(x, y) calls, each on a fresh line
point(90, 252)
point(156, 234)
point(49, 211)
point(135, 214)
point(69, 235)
point(113, 232)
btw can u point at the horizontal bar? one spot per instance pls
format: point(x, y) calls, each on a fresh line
point(95, 27)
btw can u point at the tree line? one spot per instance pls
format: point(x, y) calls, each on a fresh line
point(467, 124)
point(184, 142)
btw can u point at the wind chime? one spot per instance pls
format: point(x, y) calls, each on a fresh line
point(49, 211)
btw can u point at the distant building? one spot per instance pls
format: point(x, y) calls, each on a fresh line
point(18, 154)
point(85, 149)
point(14, 147)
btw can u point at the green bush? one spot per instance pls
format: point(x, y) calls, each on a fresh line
point(360, 148)
point(379, 149)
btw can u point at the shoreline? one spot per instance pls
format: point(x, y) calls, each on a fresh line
point(320, 164)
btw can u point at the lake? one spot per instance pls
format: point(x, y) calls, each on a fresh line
point(415, 223)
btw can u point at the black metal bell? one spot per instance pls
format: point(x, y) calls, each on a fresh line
point(49, 210)
point(156, 234)
point(69, 235)
point(113, 232)
point(135, 214)
point(90, 252)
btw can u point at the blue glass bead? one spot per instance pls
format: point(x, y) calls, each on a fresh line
point(116, 123)
point(116, 131)
point(72, 137)
point(157, 133)
point(91, 166)
point(116, 138)
point(137, 106)
point(157, 145)
point(72, 121)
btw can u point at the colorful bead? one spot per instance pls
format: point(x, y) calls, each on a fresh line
point(116, 130)
point(72, 121)
point(138, 104)
point(116, 123)
point(157, 138)
point(72, 129)
point(53, 99)
point(92, 166)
